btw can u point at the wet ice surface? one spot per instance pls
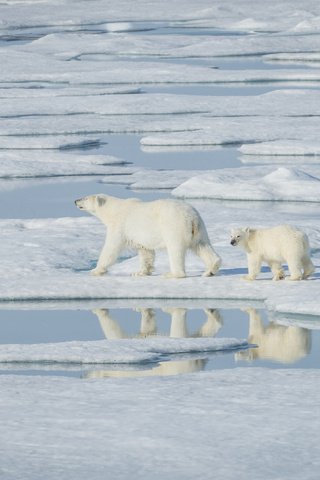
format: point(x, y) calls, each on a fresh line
point(213, 100)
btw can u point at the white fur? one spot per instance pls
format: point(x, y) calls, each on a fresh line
point(149, 226)
point(275, 246)
point(275, 342)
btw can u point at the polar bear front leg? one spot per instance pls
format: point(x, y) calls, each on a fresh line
point(254, 266)
point(108, 256)
point(146, 262)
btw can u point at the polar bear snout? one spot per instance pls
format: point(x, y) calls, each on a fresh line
point(233, 241)
point(79, 203)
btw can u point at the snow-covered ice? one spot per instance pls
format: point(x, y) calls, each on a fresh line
point(55, 256)
point(282, 148)
point(232, 423)
point(115, 351)
point(48, 164)
point(73, 73)
point(255, 183)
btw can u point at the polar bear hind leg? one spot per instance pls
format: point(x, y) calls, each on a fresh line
point(278, 273)
point(211, 260)
point(295, 269)
point(146, 262)
point(308, 267)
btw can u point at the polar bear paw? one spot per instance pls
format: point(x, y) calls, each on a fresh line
point(97, 272)
point(141, 273)
point(174, 275)
point(248, 278)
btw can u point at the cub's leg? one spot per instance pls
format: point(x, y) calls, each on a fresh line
point(254, 266)
point(308, 267)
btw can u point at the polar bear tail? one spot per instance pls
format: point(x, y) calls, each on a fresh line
point(195, 228)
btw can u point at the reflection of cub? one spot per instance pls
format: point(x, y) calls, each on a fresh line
point(275, 342)
point(277, 245)
point(149, 226)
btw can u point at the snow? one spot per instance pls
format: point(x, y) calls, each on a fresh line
point(45, 163)
point(145, 407)
point(288, 148)
point(114, 351)
point(154, 179)
point(86, 46)
point(182, 427)
point(55, 256)
point(62, 142)
point(285, 184)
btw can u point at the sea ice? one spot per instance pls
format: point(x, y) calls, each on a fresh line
point(232, 422)
point(255, 183)
point(51, 164)
point(55, 256)
point(153, 349)
point(281, 147)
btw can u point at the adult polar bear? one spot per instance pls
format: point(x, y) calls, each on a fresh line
point(149, 226)
point(276, 245)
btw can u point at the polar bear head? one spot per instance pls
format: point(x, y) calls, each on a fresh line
point(239, 236)
point(92, 203)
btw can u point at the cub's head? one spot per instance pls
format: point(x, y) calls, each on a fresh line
point(239, 236)
point(92, 203)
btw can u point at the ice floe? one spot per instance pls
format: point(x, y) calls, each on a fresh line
point(114, 351)
point(51, 164)
point(55, 256)
point(154, 179)
point(69, 427)
point(287, 184)
point(287, 103)
point(86, 46)
point(61, 142)
point(282, 148)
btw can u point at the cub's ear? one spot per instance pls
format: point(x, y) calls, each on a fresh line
point(247, 229)
point(101, 200)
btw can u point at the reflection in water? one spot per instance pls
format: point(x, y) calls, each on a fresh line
point(148, 327)
point(148, 324)
point(285, 344)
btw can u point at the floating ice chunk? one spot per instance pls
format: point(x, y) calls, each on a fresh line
point(250, 184)
point(155, 179)
point(48, 143)
point(51, 164)
point(277, 103)
point(82, 46)
point(312, 59)
point(288, 147)
point(115, 351)
point(76, 426)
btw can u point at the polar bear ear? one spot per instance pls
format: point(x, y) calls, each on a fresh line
point(247, 229)
point(101, 200)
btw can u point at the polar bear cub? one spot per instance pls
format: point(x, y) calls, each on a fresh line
point(276, 245)
point(149, 226)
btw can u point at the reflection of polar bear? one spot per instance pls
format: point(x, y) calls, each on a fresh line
point(148, 226)
point(277, 245)
point(275, 342)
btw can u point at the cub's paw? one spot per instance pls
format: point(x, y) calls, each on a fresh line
point(174, 275)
